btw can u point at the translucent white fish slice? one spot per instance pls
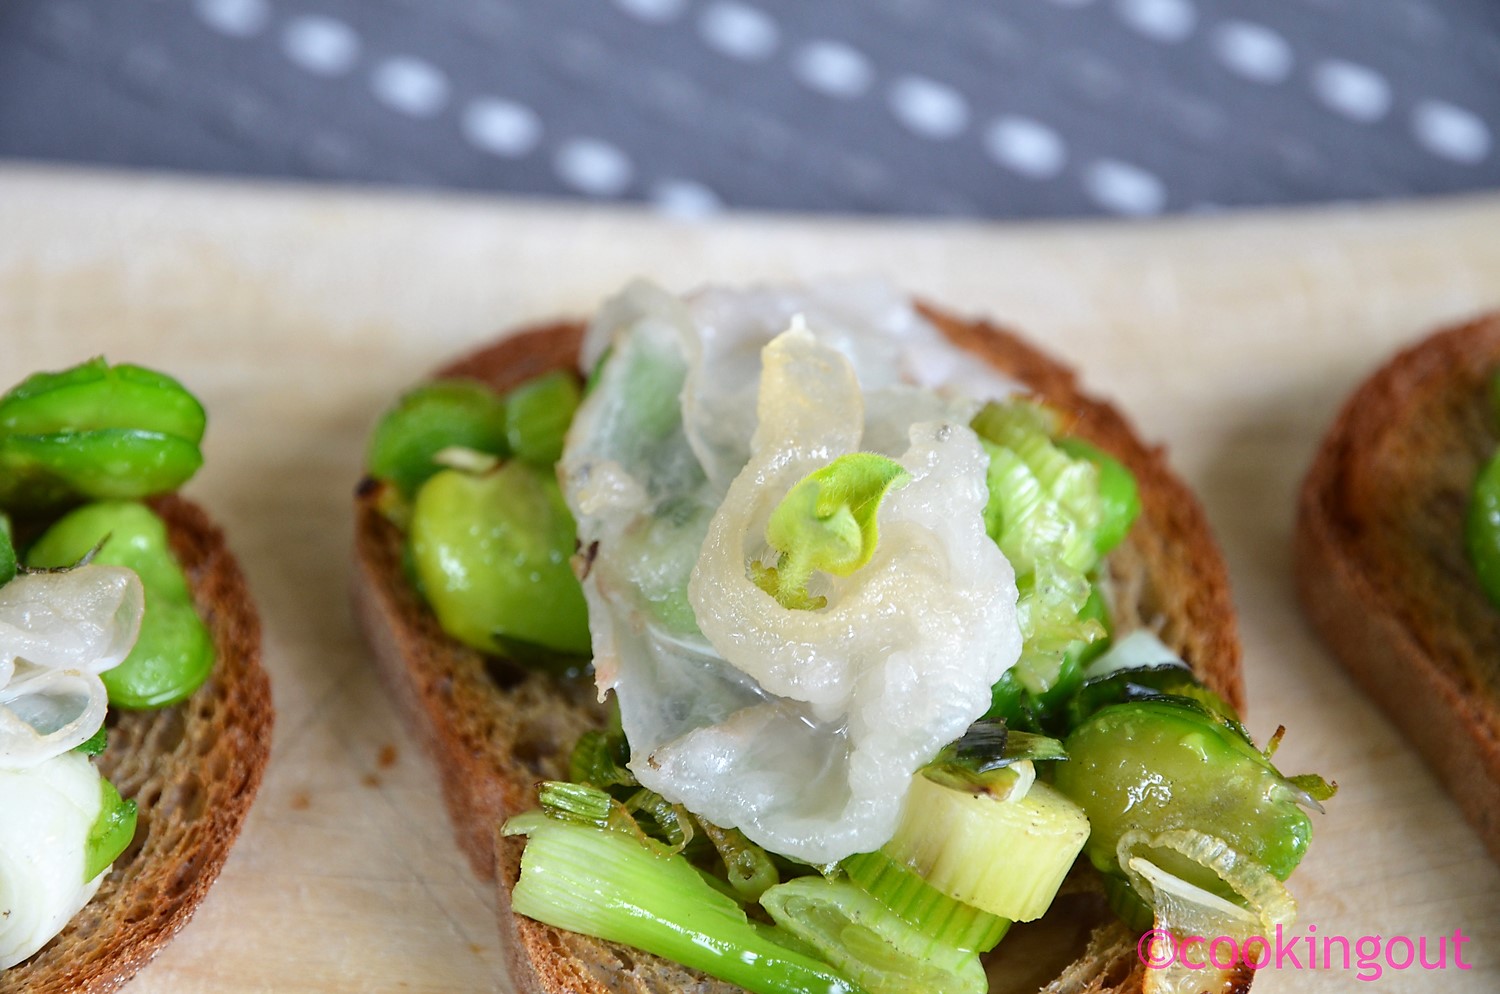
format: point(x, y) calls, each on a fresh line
point(48, 812)
point(45, 713)
point(80, 619)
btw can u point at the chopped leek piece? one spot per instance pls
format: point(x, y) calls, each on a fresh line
point(1007, 857)
point(599, 760)
point(945, 921)
point(747, 866)
point(537, 416)
point(986, 747)
point(609, 885)
point(576, 803)
point(1245, 882)
point(672, 822)
point(868, 942)
point(826, 522)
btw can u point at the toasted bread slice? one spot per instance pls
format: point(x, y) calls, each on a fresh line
point(495, 729)
point(192, 769)
point(1381, 563)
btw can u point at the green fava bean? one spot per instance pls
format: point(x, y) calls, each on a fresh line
point(40, 471)
point(7, 552)
point(492, 553)
point(96, 431)
point(1482, 529)
point(175, 652)
point(1158, 765)
point(537, 416)
point(112, 831)
point(1118, 494)
point(96, 395)
point(433, 417)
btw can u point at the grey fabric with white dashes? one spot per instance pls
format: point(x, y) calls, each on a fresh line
point(1023, 108)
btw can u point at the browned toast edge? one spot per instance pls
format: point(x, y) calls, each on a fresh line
point(1348, 595)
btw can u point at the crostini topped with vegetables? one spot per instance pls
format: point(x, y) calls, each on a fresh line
point(851, 619)
point(118, 604)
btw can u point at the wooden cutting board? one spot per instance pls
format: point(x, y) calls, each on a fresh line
point(297, 314)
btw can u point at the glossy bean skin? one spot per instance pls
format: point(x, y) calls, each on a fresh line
point(1161, 764)
point(175, 652)
point(537, 416)
point(492, 554)
point(1482, 528)
point(96, 431)
point(433, 417)
point(7, 552)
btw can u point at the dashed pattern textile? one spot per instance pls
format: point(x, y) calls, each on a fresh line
point(999, 108)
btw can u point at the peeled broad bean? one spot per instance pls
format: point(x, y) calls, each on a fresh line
point(175, 652)
point(492, 552)
point(433, 417)
point(96, 431)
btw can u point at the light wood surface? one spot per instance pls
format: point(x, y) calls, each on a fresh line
point(297, 314)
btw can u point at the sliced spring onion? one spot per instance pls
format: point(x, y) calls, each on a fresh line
point(1260, 897)
point(1001, 856)
point(946, 921)
point(748, 868)
point(609, 885)
point(868, 942)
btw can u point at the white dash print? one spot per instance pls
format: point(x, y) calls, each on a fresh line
point(501, 127)
point(684, 199)
point(236, 18)
point(929, 108)
point(739, 31)
point(833, 68)
point(320, 45)
point(1451, 132)
point(1355, 91)
point(1160, 20)
point(1025, 146)
point(1253, 51)
point(1123, 188)
point(410, 86)
point(594, 167)
point(653, 11)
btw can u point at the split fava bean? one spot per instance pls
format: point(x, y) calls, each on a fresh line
point(96, 431)
point(175, 652)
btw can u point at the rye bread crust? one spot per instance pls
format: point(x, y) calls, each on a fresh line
point(193, 770)
point(1381, 566)
point(494, 729)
